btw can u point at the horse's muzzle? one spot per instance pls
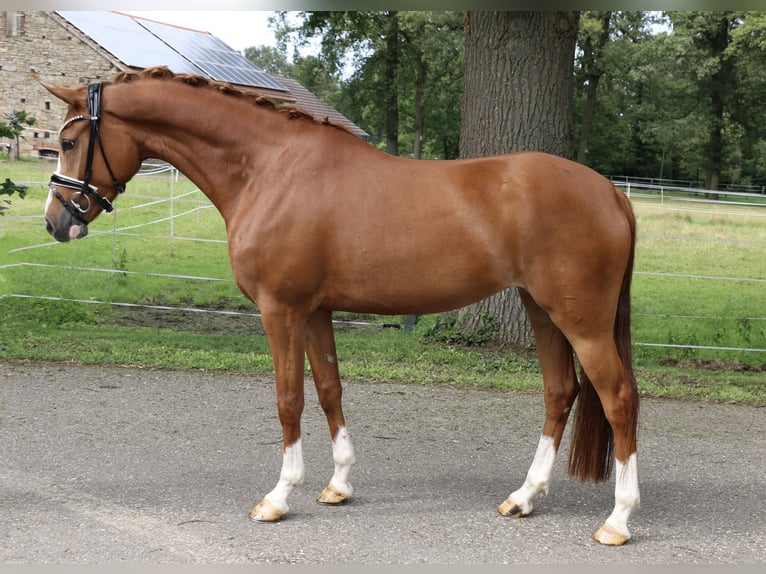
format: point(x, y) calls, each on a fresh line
point(65, 231)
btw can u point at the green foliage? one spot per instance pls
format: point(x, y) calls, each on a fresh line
point(681, 98)
point(269, 59)
point(9, 188)
point(656, 75)
point(454, 329)
point(350, 71)
point(15, 126)
point(17, 121)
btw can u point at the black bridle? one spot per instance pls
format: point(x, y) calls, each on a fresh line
point(84, 188)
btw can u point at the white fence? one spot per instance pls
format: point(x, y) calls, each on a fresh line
point(183, 205)
point(695, 200)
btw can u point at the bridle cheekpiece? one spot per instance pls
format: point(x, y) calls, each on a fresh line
point(85, 190)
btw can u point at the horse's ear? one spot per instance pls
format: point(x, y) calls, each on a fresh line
point(71, 96)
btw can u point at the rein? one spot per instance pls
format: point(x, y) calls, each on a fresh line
point(85, 190)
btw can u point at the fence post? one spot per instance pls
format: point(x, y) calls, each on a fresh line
point(114, 237)
point(172, 221)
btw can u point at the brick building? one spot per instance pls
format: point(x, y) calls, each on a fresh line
point(73, 48)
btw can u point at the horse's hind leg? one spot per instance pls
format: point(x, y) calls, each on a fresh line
point(607, 375)
point(320, 346)
point(560, 384)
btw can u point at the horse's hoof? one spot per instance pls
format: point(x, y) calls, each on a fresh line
point(510, 508)
point(266, 512)
point(610, 536)
point(332, 497)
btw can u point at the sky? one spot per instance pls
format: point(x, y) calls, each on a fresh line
point(239, 29)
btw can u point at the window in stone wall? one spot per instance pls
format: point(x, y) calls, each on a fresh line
point(14, 23)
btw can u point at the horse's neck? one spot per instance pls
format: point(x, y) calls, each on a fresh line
point(211, 138)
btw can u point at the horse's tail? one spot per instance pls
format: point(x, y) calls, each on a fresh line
point(592, 444)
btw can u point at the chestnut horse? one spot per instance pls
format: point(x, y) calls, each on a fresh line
point(318, 220)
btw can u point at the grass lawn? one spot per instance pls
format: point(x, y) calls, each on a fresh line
point(700, 282)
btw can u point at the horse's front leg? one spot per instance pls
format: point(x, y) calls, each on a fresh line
point(320, 344)
point(555, 355)
point(286, 333)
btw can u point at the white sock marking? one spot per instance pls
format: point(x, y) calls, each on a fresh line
point(290, 477)
point(626, 494)
point(343, 456)
point(538, 476)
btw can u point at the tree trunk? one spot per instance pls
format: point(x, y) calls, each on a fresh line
point(592, 54)
point(718, 84)
point(392, 89)
point(420, 80)
point(517, 95)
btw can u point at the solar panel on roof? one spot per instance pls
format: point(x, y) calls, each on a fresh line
point(129, 42)
point(210, 54)
point(142, 43)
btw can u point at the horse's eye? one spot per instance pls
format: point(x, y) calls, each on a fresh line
point(67, 145)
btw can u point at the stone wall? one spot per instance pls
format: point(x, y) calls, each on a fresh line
point(46, 49)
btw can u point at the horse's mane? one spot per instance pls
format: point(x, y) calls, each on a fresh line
point(164, 73)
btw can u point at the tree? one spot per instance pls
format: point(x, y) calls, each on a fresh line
point(398, 74)
point(391, 68)
point(9, 188)
point(616, 81)
point(681, 97)
point(310, 71)
point(710, 34)
point(430, 82)
point(594, 35)
point(270, 59)
point(517, 95)
point(361, 33)
point(748, 48)
point(15, 126)
point(642, 103)
point(13, 129)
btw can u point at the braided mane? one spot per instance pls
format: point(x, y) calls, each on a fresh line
point(164, 73)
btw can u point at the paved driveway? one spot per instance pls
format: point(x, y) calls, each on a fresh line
point(106, 464)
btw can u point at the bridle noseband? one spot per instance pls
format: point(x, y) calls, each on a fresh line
point(83, 186)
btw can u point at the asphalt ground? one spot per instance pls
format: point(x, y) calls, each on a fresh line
point(135, 466)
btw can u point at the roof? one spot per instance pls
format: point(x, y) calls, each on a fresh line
point(308, 102)
point(142, 43)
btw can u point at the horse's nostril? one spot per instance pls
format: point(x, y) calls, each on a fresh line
point(48, 226)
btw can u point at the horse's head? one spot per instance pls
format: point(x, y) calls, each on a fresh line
point(97, 158)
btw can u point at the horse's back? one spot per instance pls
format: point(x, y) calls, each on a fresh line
point(427, 236)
